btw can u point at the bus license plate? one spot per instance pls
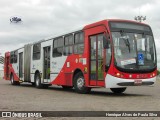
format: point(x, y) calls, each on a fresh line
point(137, 82)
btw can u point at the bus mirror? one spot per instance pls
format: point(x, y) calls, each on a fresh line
point(105, 42)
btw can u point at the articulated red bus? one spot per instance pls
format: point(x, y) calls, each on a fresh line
point(111, 53)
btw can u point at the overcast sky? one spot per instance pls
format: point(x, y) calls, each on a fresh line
point(44, 18)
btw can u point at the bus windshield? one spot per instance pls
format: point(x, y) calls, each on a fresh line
point(134, 51)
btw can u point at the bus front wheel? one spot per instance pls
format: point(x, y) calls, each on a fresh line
point(79, 84)
point(118, 90)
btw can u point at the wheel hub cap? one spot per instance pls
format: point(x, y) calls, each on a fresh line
point(80, 83)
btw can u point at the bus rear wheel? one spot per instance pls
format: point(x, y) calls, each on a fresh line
point(79, 84)
point(118, 90)
point(38, 81)
point(14, 82)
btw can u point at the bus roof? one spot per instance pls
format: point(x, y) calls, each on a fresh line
point(104, 22)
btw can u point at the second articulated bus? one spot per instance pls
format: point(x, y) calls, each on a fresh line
point(113, 54)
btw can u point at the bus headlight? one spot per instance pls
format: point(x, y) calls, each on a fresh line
point(153, 74)
point(119, 75)
point(130, 76)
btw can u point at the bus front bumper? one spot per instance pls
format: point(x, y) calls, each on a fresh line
point(115, 82)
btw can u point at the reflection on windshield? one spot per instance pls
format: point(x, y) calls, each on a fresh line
point(134, 51)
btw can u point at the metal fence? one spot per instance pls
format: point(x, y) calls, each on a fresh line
point(1, 59)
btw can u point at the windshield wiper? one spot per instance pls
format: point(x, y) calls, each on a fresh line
point(127, 43)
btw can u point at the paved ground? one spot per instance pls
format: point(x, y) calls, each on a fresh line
point(27, 98)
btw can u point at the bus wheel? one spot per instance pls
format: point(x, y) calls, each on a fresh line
point(14, 82)
point(38, 81)
point(66, 87)
point(79, 84)
point(118, 90)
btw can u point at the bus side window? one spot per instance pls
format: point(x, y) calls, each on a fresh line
point(58, 47)
point(13, 58)
point(68, 48)
point(36, 51)
point(79, 43)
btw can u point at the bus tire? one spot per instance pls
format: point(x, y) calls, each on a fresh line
point(79, 84)
point(118, 90)
point(13, 82)
point(38, 81)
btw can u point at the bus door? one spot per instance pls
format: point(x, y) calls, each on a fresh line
point(96, 59)
point(21, 65)
point(46, 64)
